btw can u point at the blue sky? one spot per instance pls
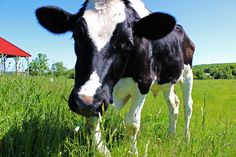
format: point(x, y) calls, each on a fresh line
point(211, 24)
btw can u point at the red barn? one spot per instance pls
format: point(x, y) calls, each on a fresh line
point(8, 50)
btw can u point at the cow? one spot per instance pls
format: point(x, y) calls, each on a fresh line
point(124, 51)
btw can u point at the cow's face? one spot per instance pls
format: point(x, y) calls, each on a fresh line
point(104, 37)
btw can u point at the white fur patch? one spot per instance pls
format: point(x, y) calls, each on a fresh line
point(90, 87)
point(127, 88)
point(122, 92)
point(187, 85)
point(140, 8)
point(101, 17)
point(187, 71)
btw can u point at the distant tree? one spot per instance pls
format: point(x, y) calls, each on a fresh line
point(70, 73)
point(58, 69)
point(221, 73)
point(206, 70)
point(231, 67)
point(215, 71)
point(234, 72)
point(39, 65)
point(198, 74)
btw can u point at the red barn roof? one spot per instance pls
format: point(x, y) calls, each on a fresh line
point(9, 49)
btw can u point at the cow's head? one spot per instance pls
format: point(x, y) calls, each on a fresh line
point(104, 36)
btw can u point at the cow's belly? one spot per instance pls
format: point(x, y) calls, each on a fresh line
point(123, 90)
point(158, 87)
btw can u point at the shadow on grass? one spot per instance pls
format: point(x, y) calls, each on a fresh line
point(40, 138)
point(53, 134)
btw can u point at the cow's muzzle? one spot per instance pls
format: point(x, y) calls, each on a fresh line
point(85, 105)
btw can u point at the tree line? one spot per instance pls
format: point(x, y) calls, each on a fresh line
point(215, 71)
point(40, 67)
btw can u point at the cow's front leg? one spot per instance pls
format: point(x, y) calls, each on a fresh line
point(132, 119)
point(93, 124)
point(173, 106)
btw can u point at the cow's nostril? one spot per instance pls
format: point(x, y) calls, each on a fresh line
point(88, 100)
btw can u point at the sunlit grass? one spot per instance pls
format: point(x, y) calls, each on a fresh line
point(35, 121)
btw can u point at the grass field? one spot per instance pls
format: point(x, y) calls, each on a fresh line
point(35, 121)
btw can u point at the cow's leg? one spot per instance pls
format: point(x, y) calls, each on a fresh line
point(173, 106)
point(132, 119)
point(93, 124)
point(126, 88)
point(121, 93)
point(186, 86)
point(155, 89)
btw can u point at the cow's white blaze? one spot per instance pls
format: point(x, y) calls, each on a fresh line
point(101, 17)
point(90, 87)
point(140, 8)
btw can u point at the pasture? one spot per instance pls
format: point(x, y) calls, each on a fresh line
point(35, 121)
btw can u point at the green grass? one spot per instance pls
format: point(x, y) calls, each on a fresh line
point(35, 121)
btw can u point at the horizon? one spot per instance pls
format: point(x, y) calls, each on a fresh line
point(209, 24)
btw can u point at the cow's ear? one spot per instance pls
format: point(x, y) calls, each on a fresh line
point(154, 26)
point(55, 19)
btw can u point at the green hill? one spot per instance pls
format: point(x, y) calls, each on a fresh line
point(215, 71)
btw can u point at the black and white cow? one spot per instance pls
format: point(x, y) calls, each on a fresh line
point(120, 56)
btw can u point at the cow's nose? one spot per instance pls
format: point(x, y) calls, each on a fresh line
point(88, 100)
point(82, 105)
